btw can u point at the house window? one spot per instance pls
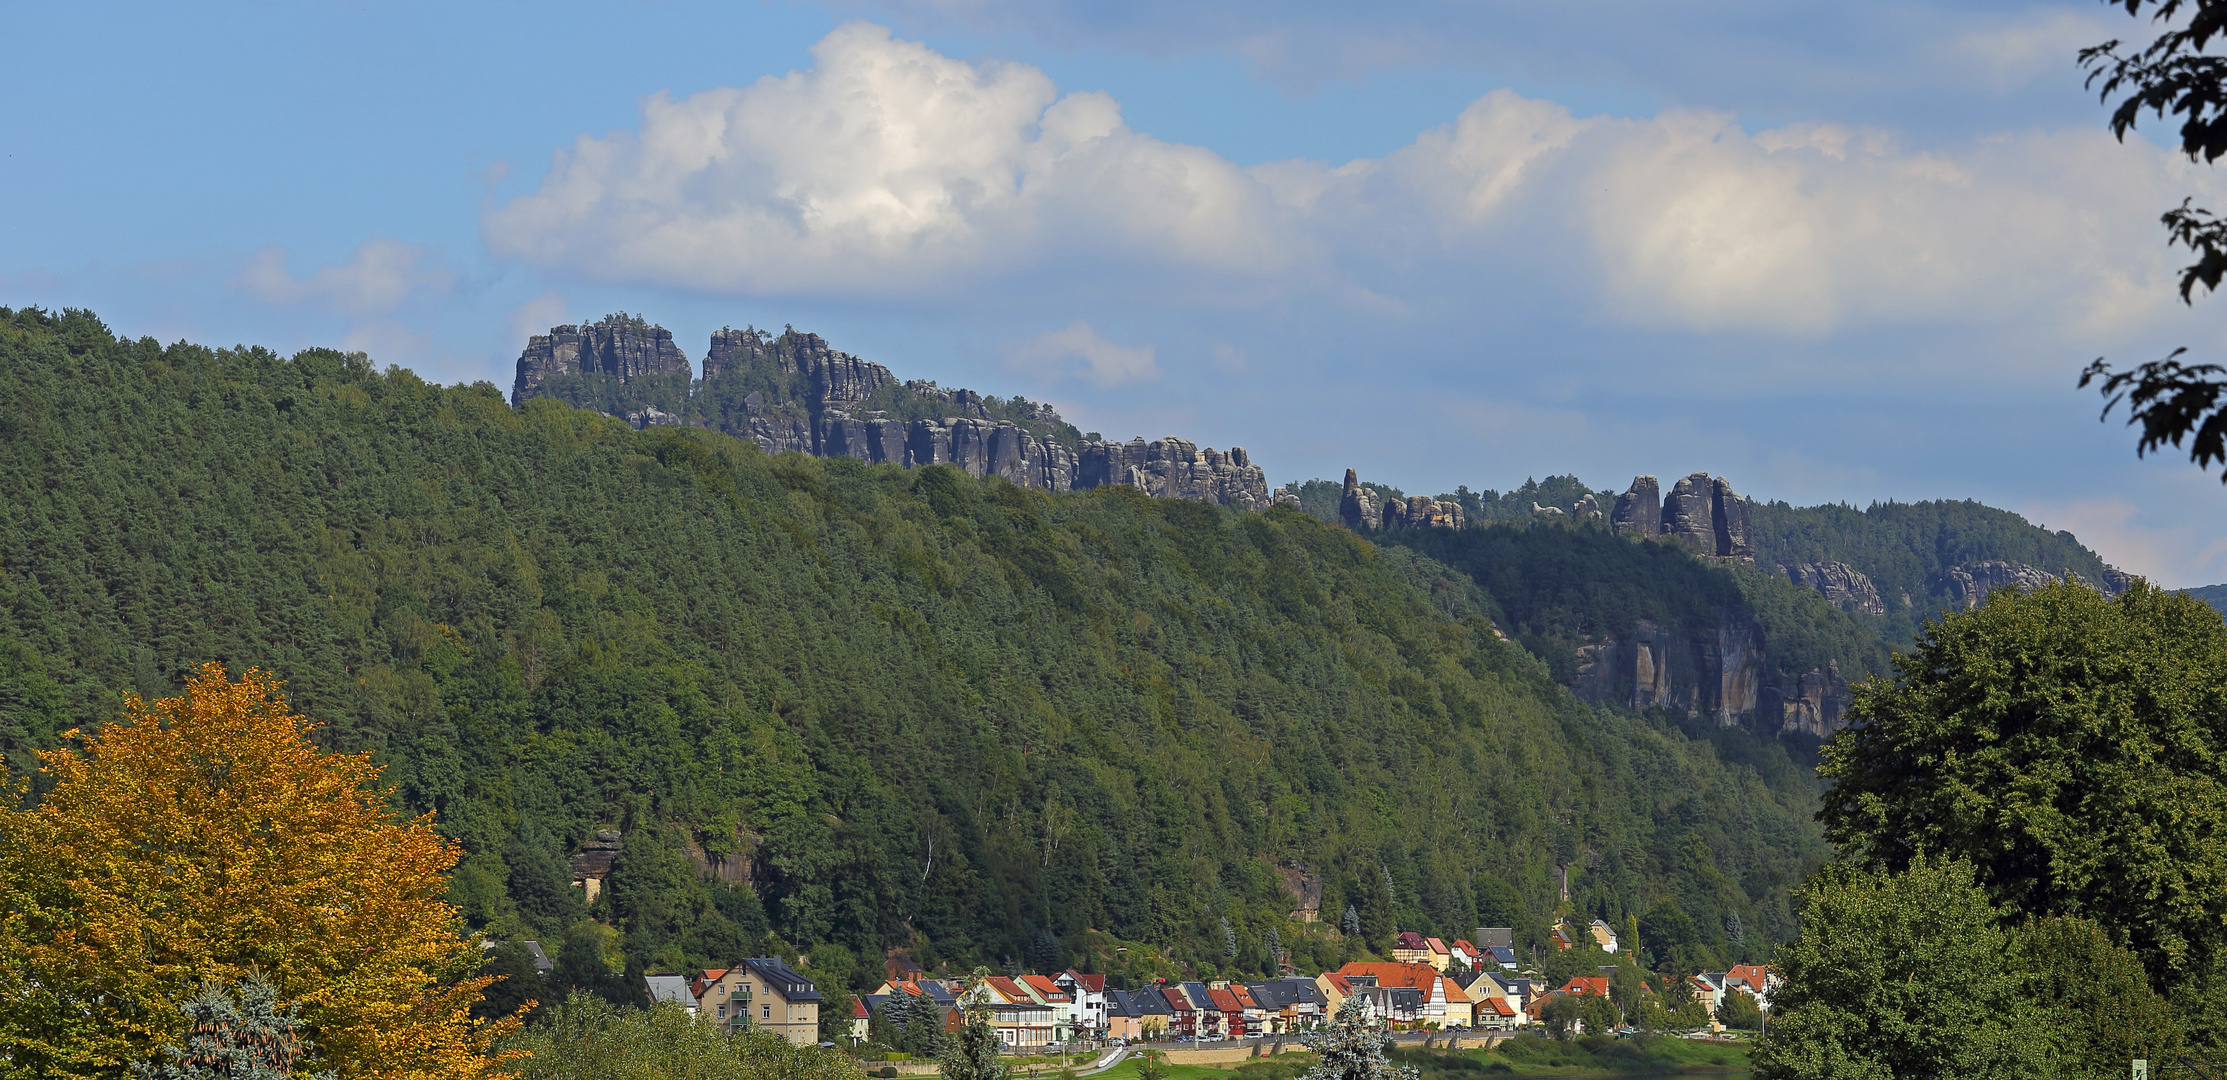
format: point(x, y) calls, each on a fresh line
point(722, 1012)
point(768, 1011)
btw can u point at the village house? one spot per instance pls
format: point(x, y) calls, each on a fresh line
point(1292, 1003)
point(1756, 979)
point(670, 990)
point(862, 1021)
point(1045, 992)
point(1563, 939)
point(1183, 1017)
point(1410, 948)
point(1021, 1020)
point(1424, 983)
point(1088, 995)
point(1333, 989)
point(1155, 1017)
point(762, 994)
point(1231, 1012)
point(1124, 1021)
point(1602, 935)
point(1460, 1011)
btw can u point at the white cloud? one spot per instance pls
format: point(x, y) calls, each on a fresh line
point(890, 169)
point(1079, 347)
point(377, 278)
point(886, 168)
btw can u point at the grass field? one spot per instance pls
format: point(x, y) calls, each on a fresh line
point(1654, 1055)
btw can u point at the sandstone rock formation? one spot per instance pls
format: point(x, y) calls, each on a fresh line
point(1588, 508)
point(1639, 511)
point(1969, 583)
point(624, 350)
point(1842, 585)
point(1359, 507)
point(1715, 671)
point(806, 397)
point(1702, 512)
point(1816, 704)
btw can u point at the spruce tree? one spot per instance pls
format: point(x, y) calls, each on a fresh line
point(1352, 1048)
point(247, 1039)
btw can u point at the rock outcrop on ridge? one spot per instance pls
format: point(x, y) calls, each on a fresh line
point(618, 349)
point(793, 392)
point(1362, 509)
point(1701, 512)
point(1842, 585)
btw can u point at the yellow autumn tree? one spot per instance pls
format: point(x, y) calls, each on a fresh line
point(205, 837)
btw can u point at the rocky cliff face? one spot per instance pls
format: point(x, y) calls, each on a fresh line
point(1362, 510)
point(1816, 704)
point(1842, 585)
point(621, 350)
point(1969, 583)
point(1715, 671)
point(1639, 511)
point(1702, 512)
point(807, 397)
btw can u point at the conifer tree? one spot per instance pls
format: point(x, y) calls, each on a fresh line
point(247, 1039)
point(1352, 1048)
point(972, 1052)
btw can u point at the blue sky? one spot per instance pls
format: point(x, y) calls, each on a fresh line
point(1834, 252)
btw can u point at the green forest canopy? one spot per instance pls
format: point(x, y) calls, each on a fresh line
point(922, 709)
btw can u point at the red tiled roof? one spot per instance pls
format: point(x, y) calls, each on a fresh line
point(1598, 987)
point(1337, 982)
point(1045, 986)
point(1418, 976)
point(1435, 944)
point(1096, 984)
point(1176, 998)
point(1410, 940)
point(1500, 1006)
point(858, 1009)
point(1464, 945)
point(1006, 986)
point(1244, 997)
point(1224, 1000)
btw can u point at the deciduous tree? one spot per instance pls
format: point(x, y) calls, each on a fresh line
point(2073, 748)
point(205, 837)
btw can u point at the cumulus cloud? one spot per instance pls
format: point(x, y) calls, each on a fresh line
point(888, 168)
point(1085, 351)
point(375, 279)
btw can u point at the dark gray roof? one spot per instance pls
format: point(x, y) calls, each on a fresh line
point(783, 980)
point(541, 959)
point(1502, 954)
point(1406, 997)
point(1285, 992)
point(1197, 992)
point(1119, 1004)
point(1150, 1002)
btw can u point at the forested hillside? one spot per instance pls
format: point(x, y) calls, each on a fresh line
point(1908, 552)
point(915, 708)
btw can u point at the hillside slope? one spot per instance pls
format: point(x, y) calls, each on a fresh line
point(838, 703)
